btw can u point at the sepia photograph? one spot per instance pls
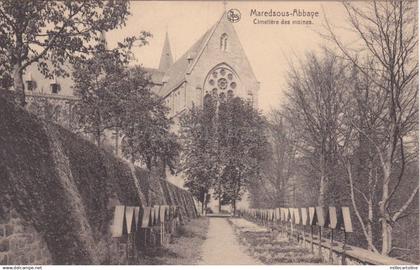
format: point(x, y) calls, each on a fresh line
point(221, 133)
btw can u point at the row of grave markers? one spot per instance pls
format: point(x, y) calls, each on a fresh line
point(130, 219)
point(331, 217)
point(334, 218)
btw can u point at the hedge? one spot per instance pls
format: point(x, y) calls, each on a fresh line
point(66, 187)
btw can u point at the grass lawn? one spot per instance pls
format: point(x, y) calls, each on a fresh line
point(184, 248)
point(270, 248)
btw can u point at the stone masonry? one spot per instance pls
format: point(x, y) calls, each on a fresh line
point(20, 243)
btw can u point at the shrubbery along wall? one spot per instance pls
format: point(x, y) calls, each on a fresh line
point(58, 193)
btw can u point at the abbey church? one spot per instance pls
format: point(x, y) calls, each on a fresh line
point(215, 65)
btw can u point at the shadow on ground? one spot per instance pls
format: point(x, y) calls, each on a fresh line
point(183, 249)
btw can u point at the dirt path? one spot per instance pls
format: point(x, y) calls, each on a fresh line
point(221, 245)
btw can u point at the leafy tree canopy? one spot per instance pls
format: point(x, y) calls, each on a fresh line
point(50, 33)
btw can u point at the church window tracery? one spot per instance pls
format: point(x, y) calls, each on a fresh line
point(230, 93)
point(221, 82)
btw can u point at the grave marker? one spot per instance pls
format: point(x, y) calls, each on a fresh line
point(296, 215)
point(322, 217)
point(332, 211)
point(312, 216)
point(162, 213)
point(287, 214)
point(348, 227)
point(119, 224)
point(129, 219)
point(146, 217)
point(292, 215)
point(305, 217)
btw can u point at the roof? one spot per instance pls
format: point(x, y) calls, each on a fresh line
point(156, 75)
point(175, 75)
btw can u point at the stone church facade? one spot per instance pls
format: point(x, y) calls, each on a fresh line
point(215, 65)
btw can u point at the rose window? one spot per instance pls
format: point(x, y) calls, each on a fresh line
point(221, 81)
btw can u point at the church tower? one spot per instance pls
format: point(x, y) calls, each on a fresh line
point(166, 59)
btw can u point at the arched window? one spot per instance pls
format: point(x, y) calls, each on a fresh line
point(222, 82)
point(223, 42)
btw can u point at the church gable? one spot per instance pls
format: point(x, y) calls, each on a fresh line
point(215, 64)
point(222, 49)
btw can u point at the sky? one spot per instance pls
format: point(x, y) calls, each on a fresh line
point(269, 48)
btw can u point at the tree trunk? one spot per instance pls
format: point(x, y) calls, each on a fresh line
point(204, 206)
point(98, 138)
point(234, 207)
point(386, 226)
point(220, 198)
point(369, 226)
point(116, 141)
point(386, 238)
point(207, 202)
point(323, 181)
point(371, 189)
point(19, 85)
point(220, 204)
point(322, 189)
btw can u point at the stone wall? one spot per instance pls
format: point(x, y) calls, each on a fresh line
point(20, 243)
point(62, 191)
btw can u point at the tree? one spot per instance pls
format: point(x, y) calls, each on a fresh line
point(314, 109)
point(224, 145)
point(99, 81)
point(96, 82)
point(143, 122)
point(243, 146)
point(50, 33)
point(283, 164)
point(388, 33)
point(199, 158)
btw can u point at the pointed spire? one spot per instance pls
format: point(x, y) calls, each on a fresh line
point(166, 59)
